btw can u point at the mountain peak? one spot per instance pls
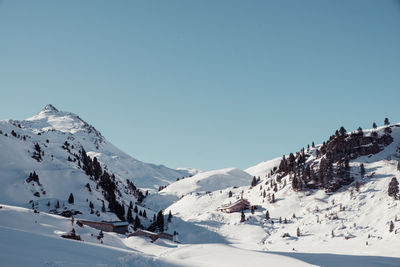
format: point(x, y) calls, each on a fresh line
point(49, 108)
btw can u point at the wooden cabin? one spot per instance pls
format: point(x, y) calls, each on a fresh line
point(153, 236)
point(117, 227)
point(239, 205)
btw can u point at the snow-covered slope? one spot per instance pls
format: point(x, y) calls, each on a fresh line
point(60, 136)
point(35, 240)
point(261, 169)
point(349, 221)
point(200, 183)
point(209, 181)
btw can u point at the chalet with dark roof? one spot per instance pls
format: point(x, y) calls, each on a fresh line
point(239, 205)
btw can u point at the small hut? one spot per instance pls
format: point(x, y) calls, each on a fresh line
point(239, 205)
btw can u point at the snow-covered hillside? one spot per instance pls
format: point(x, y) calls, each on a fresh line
point(354, 220)
point(50, 145)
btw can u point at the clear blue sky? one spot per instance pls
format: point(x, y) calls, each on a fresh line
point(204, 84)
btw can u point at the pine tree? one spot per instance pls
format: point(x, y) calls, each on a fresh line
point(298, 232)
point(103, 207)
point(362, 170)
point(342, 131)
point(267, 215)
point(386, 122)
point(254, 181)
point(101, 235)
point(242, 217)
point(230, 194)
point(57, 205)
point(144, 214)
point(71, 199)
point(169, 216)
point(129, 216)
point(135, 210)
point(393, 189)
point(391, 226)
point(374, 126)
point(160, 221)
point(137, 223)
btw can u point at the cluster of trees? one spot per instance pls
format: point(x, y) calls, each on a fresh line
point(136, 191)
point(37, 153)
point(333, 169)
point(106, 181)
point(158, 222)
point(33, 177)
point(255, 181)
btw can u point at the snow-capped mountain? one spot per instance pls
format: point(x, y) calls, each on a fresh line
point(50, 144)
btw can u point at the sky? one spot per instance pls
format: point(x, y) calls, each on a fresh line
point(204, 84)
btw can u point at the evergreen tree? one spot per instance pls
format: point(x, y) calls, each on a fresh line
point(374, 126)
point(398, 166)
point(386, 122)
point(169, 216)
point(144, 214)
point(103, 207)
point(393, 189)
point(391, 226)
point(57, 205)
point(362, 170)
point(137, 223)
point(135, 209)
point(342, 131)
point(129, 216)
point(313, 145)
point(101, 235)
point(242, 217)
point(71, 199)
point(298, 232)
point(280, 219)
point(267, 215)
point(160, 221)
point(230, 194)
point(254, 181)
point(296, 184)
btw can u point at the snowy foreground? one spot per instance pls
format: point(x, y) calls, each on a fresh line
point(30, 239)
